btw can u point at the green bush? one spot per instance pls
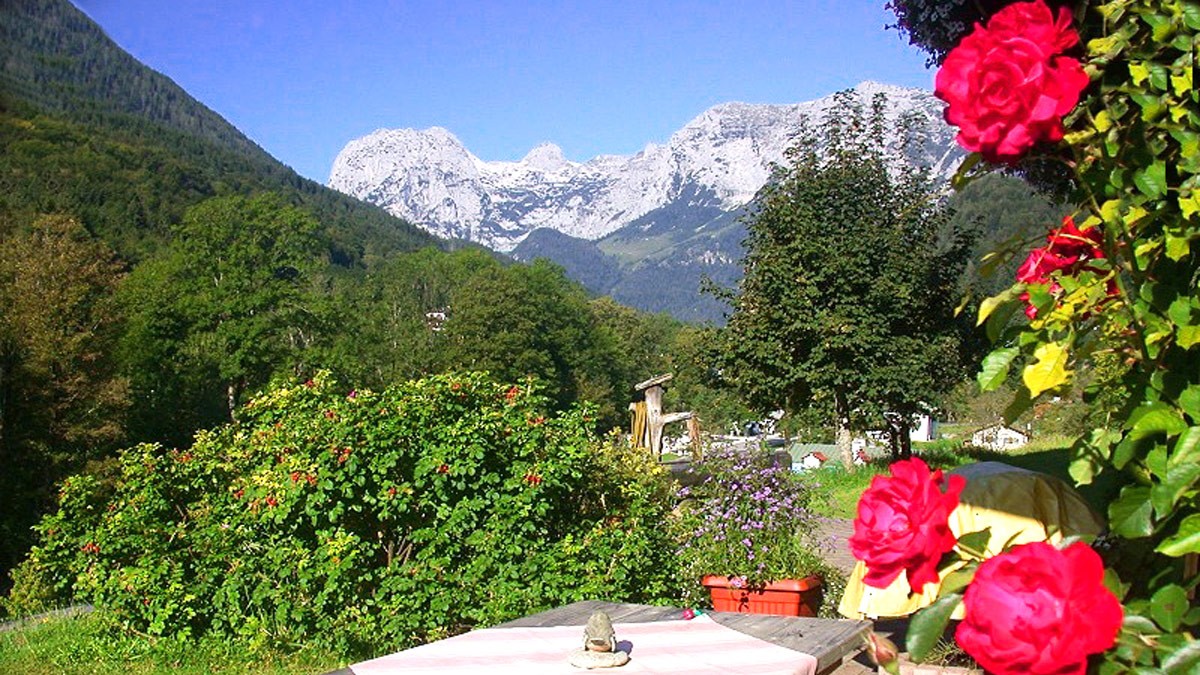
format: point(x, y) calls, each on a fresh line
point(360, 521)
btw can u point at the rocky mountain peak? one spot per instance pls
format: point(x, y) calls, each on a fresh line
point(725, 153)
point(546, 157)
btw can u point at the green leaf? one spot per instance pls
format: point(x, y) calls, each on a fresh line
point(1178, 480)
point(1130, 515)
point(1083, 470)
point(989, 305)
point(976, 541)
point(1152, 181)
point(1190, 205)
point(1187, 449)
point(1156, 418)
point(1168, 606)
point(1020, 403)
point(1189, 401)
point(1183, 661)
point(1139, 72)
point(927, 626)
point(1186, 540)
point(1049, 369)
point(1191, 15)
point(962, 177)
point(994, 369)
point(956, 581)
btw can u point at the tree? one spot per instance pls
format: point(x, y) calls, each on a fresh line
point(227, 306)
point(62, 401)
point(848, 291)
point(530, 320)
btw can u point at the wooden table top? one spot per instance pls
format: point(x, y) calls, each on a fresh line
point(829, 640)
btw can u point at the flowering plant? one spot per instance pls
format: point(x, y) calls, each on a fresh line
point(747, 519)
point(1115, 295)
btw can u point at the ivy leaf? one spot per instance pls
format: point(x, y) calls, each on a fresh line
point(928, 625)
point(1168, 606)
point(1186, 540)
point(1130, 514)
point(1049, 369)
point(994, 369)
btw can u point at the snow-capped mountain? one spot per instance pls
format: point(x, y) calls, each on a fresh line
point(719, 161)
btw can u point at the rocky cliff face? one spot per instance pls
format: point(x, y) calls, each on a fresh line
point(718, 161)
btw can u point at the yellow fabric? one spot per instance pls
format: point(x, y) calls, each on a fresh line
point(1018, 505)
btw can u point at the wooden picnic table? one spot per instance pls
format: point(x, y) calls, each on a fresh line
point(830, 641)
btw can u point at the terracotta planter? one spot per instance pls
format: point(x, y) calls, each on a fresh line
point(789, 597)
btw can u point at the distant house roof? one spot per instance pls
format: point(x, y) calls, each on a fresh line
point(998, 427)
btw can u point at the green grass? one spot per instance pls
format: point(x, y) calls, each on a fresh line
point(841, 488)
point(81, 644)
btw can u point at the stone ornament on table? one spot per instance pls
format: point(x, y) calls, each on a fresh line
point(599, 645)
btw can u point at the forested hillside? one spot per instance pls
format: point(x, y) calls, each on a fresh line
point(89, 130)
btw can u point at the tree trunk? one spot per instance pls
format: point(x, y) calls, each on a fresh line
point(841, 411)
point(905, 440)
point(232, 391)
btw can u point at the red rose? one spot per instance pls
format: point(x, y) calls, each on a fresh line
point(903, 524)
point(1068, 250)
point(1007, 86)
point(1038, 610)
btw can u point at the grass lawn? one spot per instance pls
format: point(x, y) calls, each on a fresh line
point(1051, 455)
point(80, 644)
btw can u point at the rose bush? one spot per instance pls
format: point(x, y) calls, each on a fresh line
point(1038, 610)
point(902, 524)
point(1129, 316)
point(1008, 84)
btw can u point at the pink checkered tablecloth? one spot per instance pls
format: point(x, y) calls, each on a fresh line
point(700, 646)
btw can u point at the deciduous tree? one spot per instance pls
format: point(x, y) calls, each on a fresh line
point(849, 282)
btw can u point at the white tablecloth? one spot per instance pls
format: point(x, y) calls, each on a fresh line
point(700, 646)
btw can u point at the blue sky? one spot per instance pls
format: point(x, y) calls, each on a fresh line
point(304, 77)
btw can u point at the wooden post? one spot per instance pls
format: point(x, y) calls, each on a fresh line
point(652, 433)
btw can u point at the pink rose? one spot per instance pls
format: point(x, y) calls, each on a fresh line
point(1040, 611)
point(1007, 85)
point(903, 524)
